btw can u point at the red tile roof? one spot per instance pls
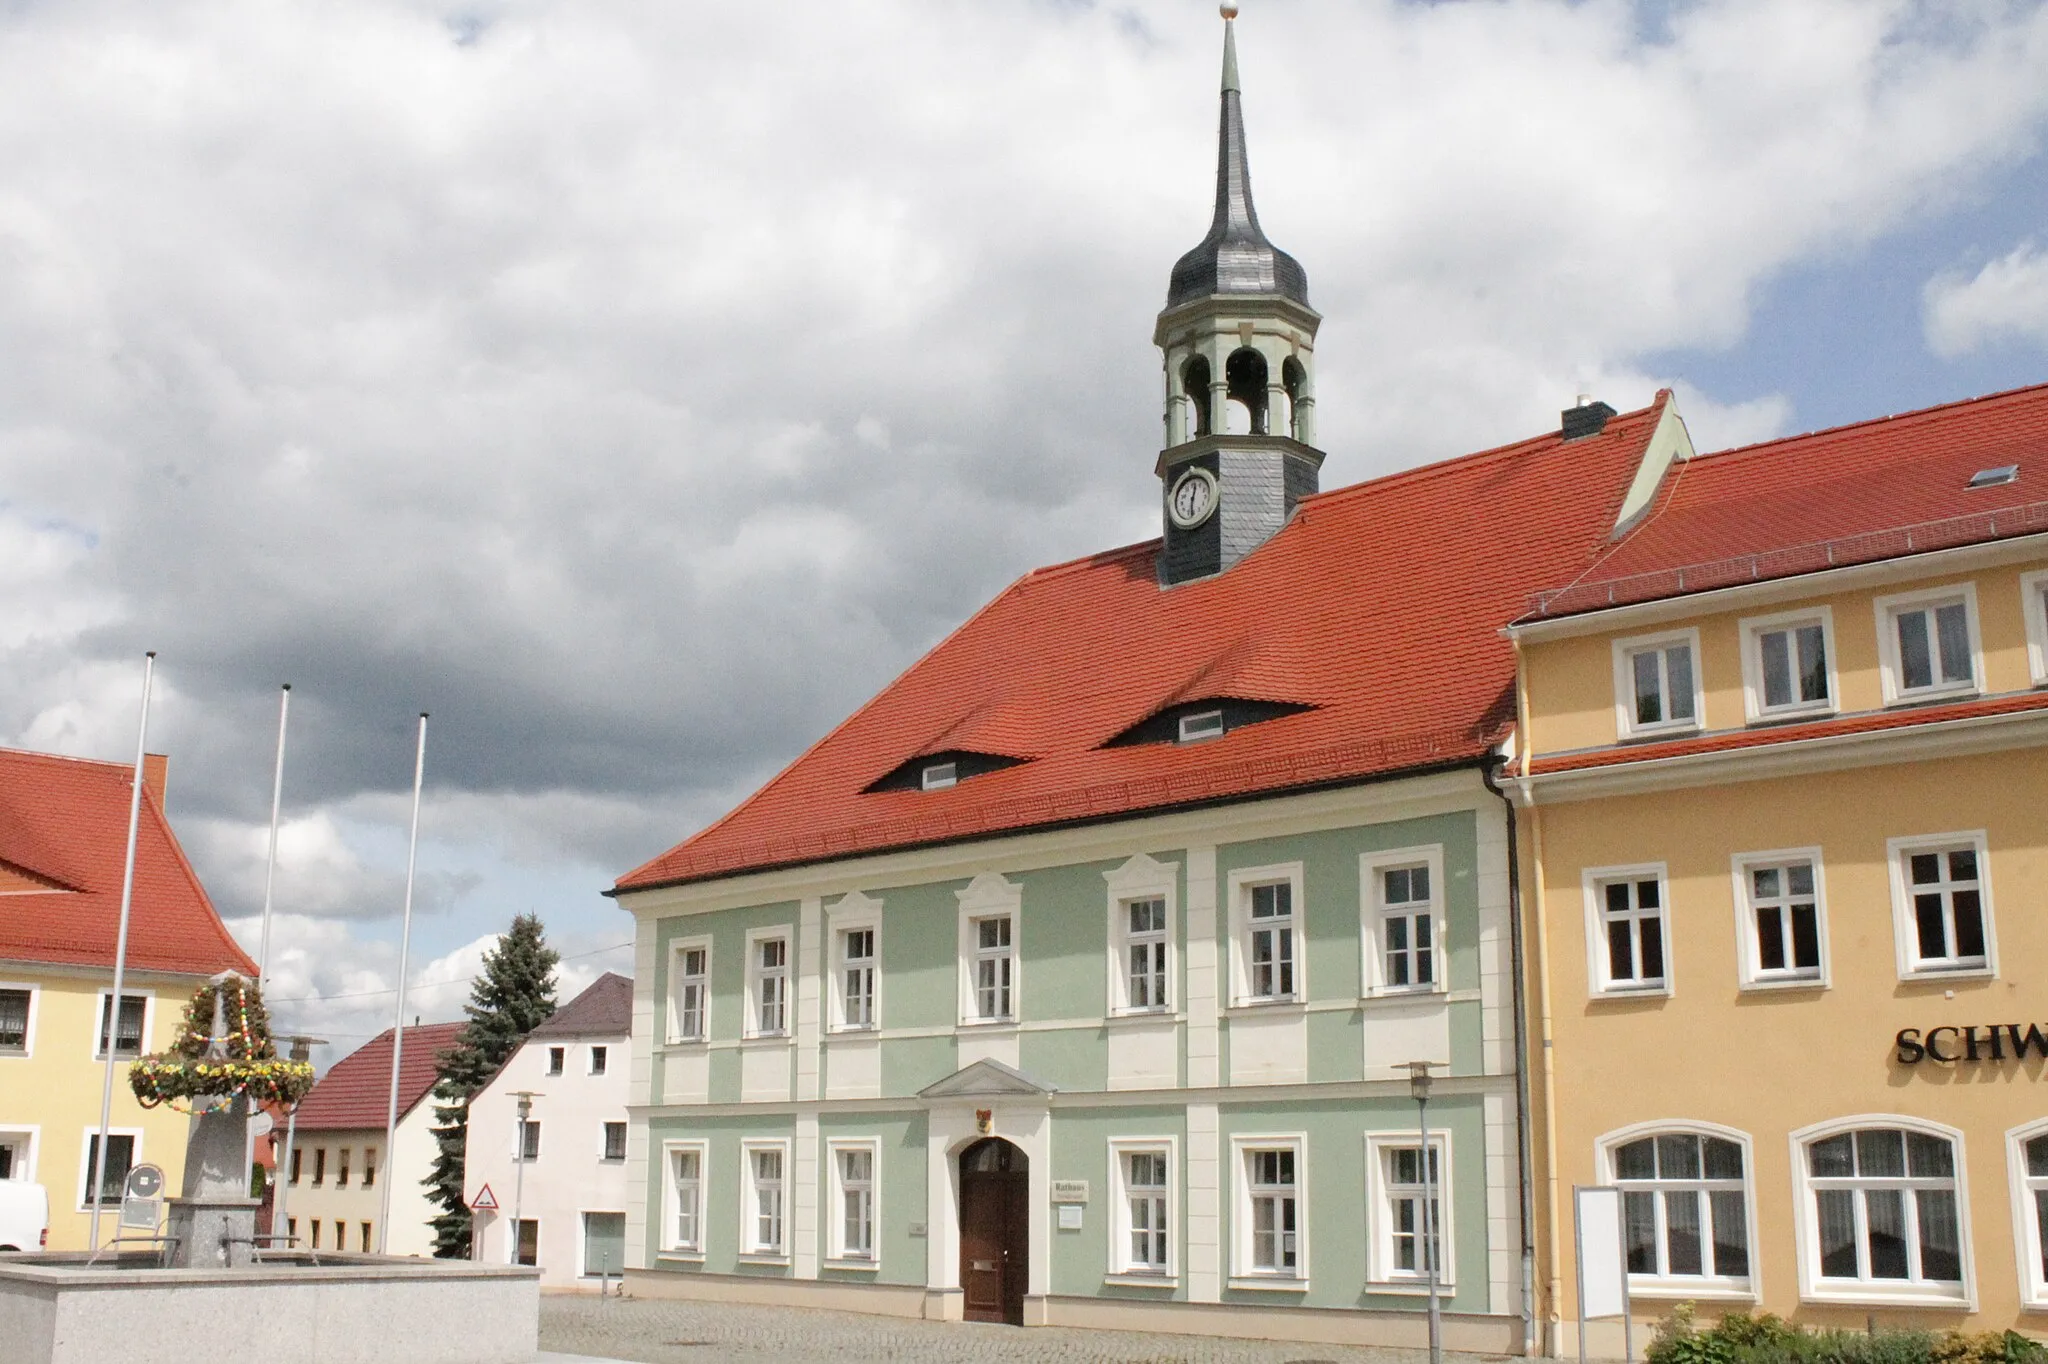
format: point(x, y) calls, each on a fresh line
point(356, 1093)
point(1875, 490)
point(1838, 726)
point(64, 828)
point(1378, 605)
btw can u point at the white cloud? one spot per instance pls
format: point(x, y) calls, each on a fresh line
point(2006, 300)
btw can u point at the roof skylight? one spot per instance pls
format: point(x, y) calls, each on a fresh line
point(1992, 478)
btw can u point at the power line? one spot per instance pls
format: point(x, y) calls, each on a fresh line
point(438, 985)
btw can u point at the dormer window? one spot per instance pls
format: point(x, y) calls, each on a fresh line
point(1202, 724)
point(938, 776)
point(940, 771)
point(1191, 722)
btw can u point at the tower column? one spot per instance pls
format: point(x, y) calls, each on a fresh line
point(1219, 401)
point(1305, 419)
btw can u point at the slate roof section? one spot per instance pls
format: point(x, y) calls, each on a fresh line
point(1852, 494)
point(63, 843)
point(604, 1009)
point(1378, 605)
point(356, 1092)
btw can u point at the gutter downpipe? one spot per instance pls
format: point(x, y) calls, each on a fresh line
point(1523, 1143)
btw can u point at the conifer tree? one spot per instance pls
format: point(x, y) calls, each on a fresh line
point(511, 996)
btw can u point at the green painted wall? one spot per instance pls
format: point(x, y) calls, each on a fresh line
point(1080, 1150)
point(1066, 1058)
point(1065, 941)
point(899, 1194)
point(722, 1182)
point(920, 942)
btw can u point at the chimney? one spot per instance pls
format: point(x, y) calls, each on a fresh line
point(156, 769)
point(1588, 418)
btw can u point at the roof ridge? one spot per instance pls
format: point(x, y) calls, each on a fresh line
point(113, 764)
point(1844, 429)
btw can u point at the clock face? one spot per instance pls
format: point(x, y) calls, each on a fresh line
point(1193, 498)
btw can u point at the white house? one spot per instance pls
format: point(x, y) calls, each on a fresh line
point(567, 1195)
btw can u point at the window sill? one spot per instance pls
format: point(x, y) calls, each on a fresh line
point(1690, 1290)
point(1135, 1016)
point(990, 1024)
point(1935, 975)
point(1398, 994)
point(686, 1042)
point(764, 1257)
point(1418, 1288)
point(1268, 1283)
point(1136, 1279)
point(1922, 697)
point(694, 1257)
point(1643, 734)
point(853, 1030)
point(1768, 983)
point(1247, 1007)
point(865, 1264)
point(1871, 1295)
point(766, 1039)
point(1615, 993)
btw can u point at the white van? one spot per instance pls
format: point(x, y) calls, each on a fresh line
point(24, 1215)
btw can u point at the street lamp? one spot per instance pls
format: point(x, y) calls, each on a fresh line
point(526, 1098)
point(1418, 1086)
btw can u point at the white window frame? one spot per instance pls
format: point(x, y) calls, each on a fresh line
point(752, 1251)
point(1194, 727)
point(2028, 1233)
point(1749, 973)
point(1806, 1226)
point(99, 1004)
point(1594, 879)
point(2034, 605)
point(842, 1256)
point(1242, 1274)
point(28, 1038)
point(604, 1142)
point(939, 776)
point(678, 951)
point(673, 1246)
point(1241, 883)
point(1693, 1287)
point(1754, 628)
point(1141, 878)
point(1122, 1269)
point(1625, 685)
point(856, 913)
point(1889, 669)
point(756, 975)
point(558, 1060)
point(1905, 932)
point(28, 1137)
point(990, 896)
point(1380, 1269)
point(1373, 916)
point(590, 1059)
point(85, 1139)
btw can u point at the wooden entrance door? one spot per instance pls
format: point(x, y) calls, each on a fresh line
point(995, 1230)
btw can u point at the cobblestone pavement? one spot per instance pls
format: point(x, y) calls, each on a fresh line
point(664, 1332)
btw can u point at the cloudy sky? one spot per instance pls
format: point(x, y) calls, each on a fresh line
point(637, 387)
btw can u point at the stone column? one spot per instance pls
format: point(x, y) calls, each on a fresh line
point(215, 1219)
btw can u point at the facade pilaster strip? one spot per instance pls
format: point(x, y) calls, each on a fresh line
point(640, 1088)
point(805, 1195)
point(810, 963)
point(1204, 1204)
point(1204, 978)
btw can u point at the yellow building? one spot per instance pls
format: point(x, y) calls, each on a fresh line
point(1785, 881)
point(63, 839)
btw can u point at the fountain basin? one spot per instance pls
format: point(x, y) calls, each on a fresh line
point(305, 1307)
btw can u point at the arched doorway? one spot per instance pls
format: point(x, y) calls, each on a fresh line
point(995, 1230)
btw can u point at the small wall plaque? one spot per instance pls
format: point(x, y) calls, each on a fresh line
point(1070, 1216)
point(1070, 1191)
point(917, 1229)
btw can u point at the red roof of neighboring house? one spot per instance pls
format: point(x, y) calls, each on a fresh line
point(1378, 605)
point(356, 1093)
point(1834, 726)
point(63, 845)
point(1854, 494)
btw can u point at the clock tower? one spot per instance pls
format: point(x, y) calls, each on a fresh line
point(1238, 339)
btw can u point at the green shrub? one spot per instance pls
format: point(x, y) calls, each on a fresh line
point(1740, 1338)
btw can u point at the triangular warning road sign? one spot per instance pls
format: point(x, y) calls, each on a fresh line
point(485, 1200)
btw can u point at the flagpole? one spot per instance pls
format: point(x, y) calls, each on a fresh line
point(113, 1014)
point(419, 773)
point(284, 710)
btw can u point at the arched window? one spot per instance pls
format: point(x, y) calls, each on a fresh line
point(1685, 1206)
point(1882, 1210)
point(1293, 378)
point(2029, 1155)
point(1244, 374)
point(1194, 382)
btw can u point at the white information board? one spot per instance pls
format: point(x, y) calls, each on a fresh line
point(1603, 1260)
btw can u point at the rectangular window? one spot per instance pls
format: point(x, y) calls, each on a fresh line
point(1657, 685)
point(2034, 602)
point(14, 1021)
point(939, 776)
point(366, 1243)
point(1275, 1210)
point(995, 966)
point(319, 1166)
point(1269, 948)
point(2032, 1156)
point(340, 1234)
point(1929, 643)
point(857, 978)
point(1783, 926)
point(528, 1252)
point(1942, 904)
point(557, 1056)
point(298, 1162)
point(1145, 1229)
point(689, 974)
point(685, 1197)
point(316, 1233)
point(1629, 931)
point(1786, 663)
point(764, 1201)
point(615, 1141)
point(529, 1141)
point(1414, 1211)
point(1146, 941)
point(854, 1175)
point(120, 1159)
point(341, 1169)
point(604, 1242)
point(369, 1167)
point(1402, 927)
point(770, 985)
point(128, 1033)
point(1203, 724)
point(600, 1057)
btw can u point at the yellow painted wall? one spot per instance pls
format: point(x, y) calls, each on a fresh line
point(1770, 1062)
point(56, 1088)
point(1570, 688)
point(332, 1200)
